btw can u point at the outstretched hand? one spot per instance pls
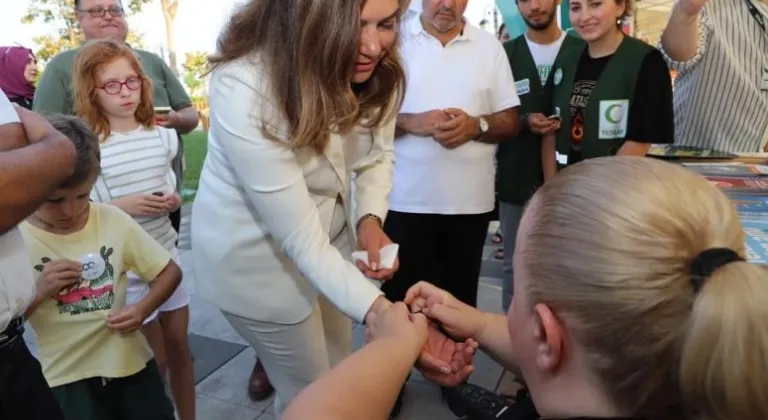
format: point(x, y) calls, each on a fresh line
point(444, 361)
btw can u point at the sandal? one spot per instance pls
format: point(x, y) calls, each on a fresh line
point(497, 237)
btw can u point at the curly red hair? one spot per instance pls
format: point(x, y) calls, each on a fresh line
point(91, 59)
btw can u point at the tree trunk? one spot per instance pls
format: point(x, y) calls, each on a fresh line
point(72, 36)
point(170, 7)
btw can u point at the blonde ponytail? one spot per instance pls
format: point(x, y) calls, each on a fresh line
point(610, 247)
point(724, 354)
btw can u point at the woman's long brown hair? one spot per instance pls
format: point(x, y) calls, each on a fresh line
point(91, 59)
point(309, 48)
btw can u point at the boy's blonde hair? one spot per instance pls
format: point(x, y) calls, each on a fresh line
point(610, 250)
point(91, 59)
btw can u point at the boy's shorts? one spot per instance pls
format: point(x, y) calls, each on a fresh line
point(137, 289)
point(140, 396)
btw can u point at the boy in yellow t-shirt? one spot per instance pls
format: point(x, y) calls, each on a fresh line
point(97, 363)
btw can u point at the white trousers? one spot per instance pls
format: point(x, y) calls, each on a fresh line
point(296, 355)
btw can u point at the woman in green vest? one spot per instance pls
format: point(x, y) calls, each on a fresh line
point(614, 96)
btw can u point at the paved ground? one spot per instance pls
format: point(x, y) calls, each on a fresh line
point(223, 361)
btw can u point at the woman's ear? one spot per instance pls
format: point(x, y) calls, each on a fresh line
point(622, 9)
point(549, 336)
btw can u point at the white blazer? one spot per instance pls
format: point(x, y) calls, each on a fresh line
point(262, 214)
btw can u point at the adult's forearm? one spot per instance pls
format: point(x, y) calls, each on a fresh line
point(12, 136)
point(548, 160)
point(28, 176)
point(502, 126)
point(407, 124)
point(369, 380)
point(633, 148)
point(188, 120)
point(495, 340)
point(681, 36)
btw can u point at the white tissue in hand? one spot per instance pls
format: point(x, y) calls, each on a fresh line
point(387, 256)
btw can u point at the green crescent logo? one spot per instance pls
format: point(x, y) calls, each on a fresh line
point(609, 113)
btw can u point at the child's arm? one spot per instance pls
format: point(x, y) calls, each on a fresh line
point(143, 255)
point(130, 318)
point(143, 205)
point(55, 277)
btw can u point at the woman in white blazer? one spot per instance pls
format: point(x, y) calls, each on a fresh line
point(302, 101)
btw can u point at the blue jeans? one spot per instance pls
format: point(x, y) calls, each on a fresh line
point(509, 216)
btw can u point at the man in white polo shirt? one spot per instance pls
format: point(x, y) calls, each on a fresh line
point(34, 158)
point(460, 103)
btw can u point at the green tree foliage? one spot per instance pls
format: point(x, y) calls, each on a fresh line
point(195, 67)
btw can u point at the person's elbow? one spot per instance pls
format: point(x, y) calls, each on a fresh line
point(171, 275)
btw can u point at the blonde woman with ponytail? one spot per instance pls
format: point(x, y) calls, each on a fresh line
point(632, 300)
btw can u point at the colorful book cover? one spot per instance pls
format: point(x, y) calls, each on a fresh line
point(756, 231)
point(727, 169)
point(752, 185)
point(750, 203)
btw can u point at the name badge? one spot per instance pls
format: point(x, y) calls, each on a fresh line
point(523, 86)
point(614, 115)
point(764, 79)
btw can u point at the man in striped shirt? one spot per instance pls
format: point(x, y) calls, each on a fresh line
point(720, 51)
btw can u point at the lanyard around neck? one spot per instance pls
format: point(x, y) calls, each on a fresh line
point(759, 18)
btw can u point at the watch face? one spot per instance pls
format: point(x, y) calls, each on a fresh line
point(483, 125)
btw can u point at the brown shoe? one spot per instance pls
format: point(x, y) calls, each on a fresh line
point(259, 387)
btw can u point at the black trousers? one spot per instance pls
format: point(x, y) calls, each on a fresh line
point(445, 250)
point(24, 392)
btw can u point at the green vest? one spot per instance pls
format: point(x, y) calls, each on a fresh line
point(519, 172)
point(606, 116)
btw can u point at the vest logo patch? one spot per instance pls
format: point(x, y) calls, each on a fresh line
point(614, 115)
point(523, 86)
point(558, 77)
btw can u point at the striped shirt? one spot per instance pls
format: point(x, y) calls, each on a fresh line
point(719, 101)
point(139, 162)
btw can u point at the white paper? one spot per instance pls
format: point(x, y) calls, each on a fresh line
point(387, 256)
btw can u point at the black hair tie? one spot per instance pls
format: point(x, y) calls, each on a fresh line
point(707, 262)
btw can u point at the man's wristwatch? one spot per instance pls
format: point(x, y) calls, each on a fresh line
point(483, 126)
point(524, 121)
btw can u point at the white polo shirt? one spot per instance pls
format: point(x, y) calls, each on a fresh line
point(17, 287)
point(472, 73)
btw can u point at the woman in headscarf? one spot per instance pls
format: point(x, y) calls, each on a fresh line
point(18, 71)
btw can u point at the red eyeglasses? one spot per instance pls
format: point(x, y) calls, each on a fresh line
point(114, 87)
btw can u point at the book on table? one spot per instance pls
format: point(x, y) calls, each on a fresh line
point(737, 169)
point(755, 185)
point(755, 225)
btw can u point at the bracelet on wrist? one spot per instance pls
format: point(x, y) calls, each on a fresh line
point(369, 216)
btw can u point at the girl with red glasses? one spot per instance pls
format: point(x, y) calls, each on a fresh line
point(114, 95)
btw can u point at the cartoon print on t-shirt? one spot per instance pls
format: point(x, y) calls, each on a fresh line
point(95, 290)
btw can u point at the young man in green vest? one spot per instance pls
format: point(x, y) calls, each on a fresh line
point(519, 172)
